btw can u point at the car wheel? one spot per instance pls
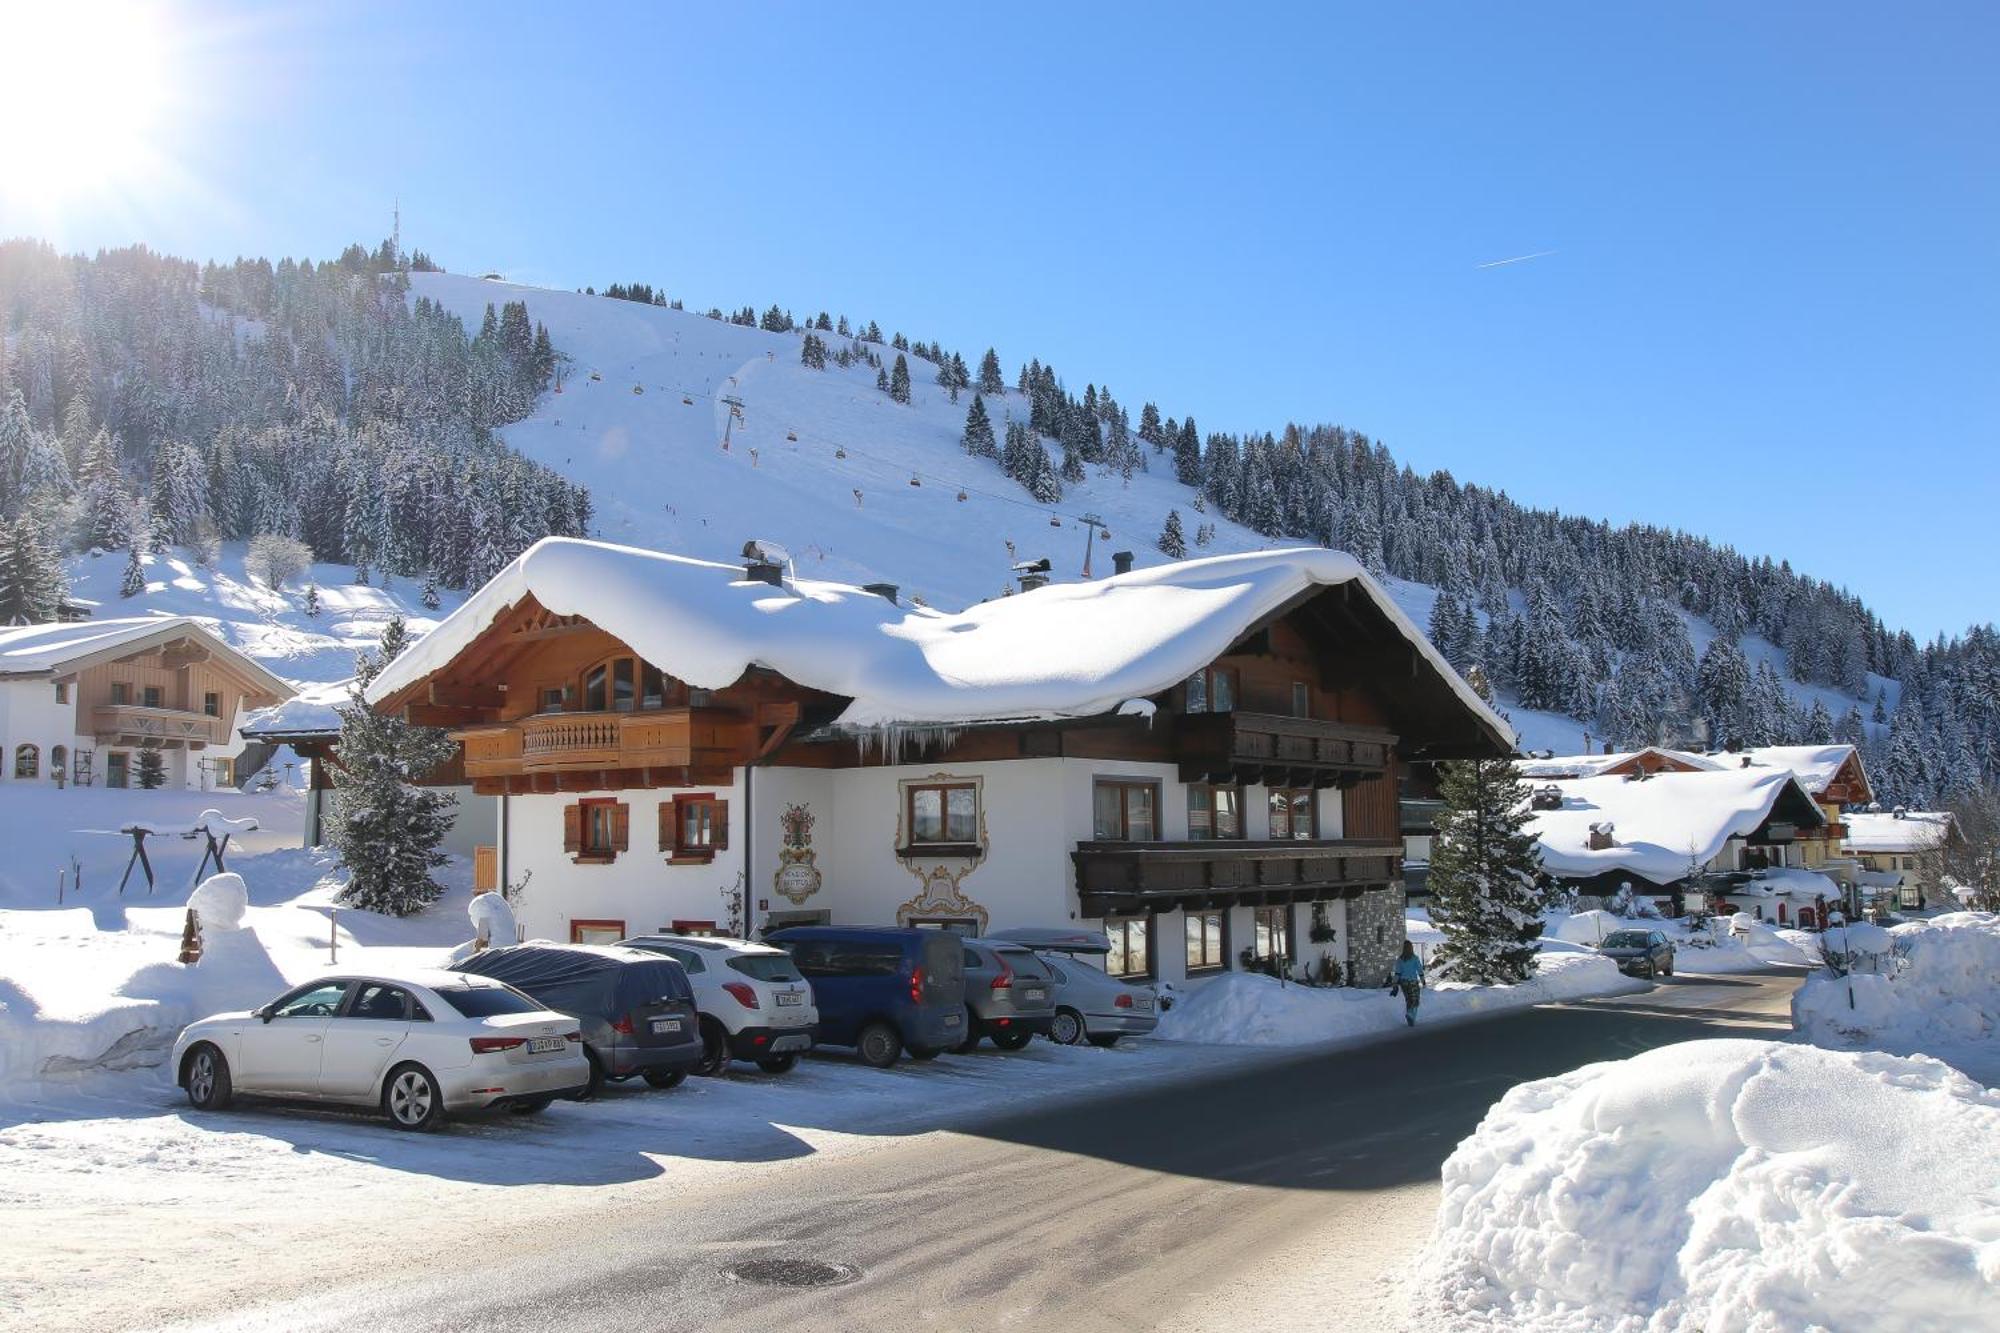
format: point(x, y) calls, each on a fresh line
point(714, 1049)
point(972, 1034)
point(666, 1078)
point(593, 1083)
point(207, 1081)
point(413, 1099)
point(1068, 1029)
point(1104, 1040)
point(1012, 1039)
point(532, 1106)
point(777, 1064)
point(1652, 970)
point(879, 1045)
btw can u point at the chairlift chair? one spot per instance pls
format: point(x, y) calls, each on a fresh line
point(686, 401)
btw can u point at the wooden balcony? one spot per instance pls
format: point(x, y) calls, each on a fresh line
point(655, 747)
point(1158, 876)
point(169, 728)
point(1279, 750)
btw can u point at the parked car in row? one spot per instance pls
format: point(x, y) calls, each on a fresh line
point(419, 1046)
point(882, 989)
point(1640, 953)
point(636, 1010)
point(754, 1004)
point(1090, 1005)
point(1009, 995)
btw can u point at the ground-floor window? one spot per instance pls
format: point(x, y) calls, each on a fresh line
point(117, 769)
point(1274, 932)
point(58, 762)
point(696, 928)
point(27, 761)
point(1207, 941)
point(582, 931)
point(1131, 953)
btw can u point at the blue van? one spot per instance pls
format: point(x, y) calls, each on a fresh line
point(882, 989)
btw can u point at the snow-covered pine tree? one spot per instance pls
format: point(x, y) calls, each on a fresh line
point(1485, 871)
point(881, 380)
point(32, 583)
point(978, 438)
point(387, 829)
point(150, 773)
point(990, 380)
point(429, 596)
point(311, 603)
point(1173, 543)
point(133, 581)
point(1187, 455)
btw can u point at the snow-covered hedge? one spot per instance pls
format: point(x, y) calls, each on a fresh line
point(1712, 1185)
point(1939, 992)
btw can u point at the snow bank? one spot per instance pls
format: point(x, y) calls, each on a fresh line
point(1724, 1185)
point(1246, 1009)
point(1940, 995)
point(1720, 948)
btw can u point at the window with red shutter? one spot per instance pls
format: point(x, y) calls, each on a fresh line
point(572, 829)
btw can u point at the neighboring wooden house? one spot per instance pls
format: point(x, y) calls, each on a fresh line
point(1891, 845)
point(1199, 759)
point(81, 700)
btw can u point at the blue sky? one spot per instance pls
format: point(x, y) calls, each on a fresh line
point(1767, 313)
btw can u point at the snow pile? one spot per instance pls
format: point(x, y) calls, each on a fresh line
point(1249, 1009)
point(1063, 650)
point(1718, 947)
point(1588, 928)
point(220, 902)
point(1940, 994)
point(1728, 1184)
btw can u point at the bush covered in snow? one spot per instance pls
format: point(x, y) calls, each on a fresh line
point(1940, 994)
point(1714, 1185)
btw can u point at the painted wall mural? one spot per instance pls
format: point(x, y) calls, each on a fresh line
point(797, 877)
point(941, 892)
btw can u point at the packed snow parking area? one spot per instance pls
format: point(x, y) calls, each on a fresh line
point(1724, 1185)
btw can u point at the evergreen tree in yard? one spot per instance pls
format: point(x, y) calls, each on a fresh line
point(1172, 542)
point(430, 593)
point(134, 581)
point(151, 774)
point(312, 601)
point(899, 380)
point(1484, 870)
point(978, 439)
point(385, 827)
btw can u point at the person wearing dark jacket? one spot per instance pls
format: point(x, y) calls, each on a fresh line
point(1408, 977)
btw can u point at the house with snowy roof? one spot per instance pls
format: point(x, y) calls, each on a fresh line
point(1199, 758)
point(1660, 832)
point(82, 701)
point(1891, 847)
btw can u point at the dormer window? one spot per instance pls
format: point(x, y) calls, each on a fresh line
point(623, 684)
point(1212, 690)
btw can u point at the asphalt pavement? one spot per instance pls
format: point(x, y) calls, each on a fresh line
point(1292, 1191)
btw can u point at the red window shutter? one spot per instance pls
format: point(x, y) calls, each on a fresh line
point(572, 828)
point(621, 827)
point(669, 827)
point(721, 817)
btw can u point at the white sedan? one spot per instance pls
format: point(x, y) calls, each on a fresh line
point(417, 1045)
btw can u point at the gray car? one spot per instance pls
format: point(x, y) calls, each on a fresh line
point(1009, 994)
point(1641, 953)
point(1090, 1004)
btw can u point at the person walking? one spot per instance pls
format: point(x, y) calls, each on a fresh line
point(1408, 977)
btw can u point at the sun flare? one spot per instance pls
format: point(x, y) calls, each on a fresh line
point(83, 93)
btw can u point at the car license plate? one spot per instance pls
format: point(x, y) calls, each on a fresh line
point(1034, 995)
point(798, 1043)
point(543, 1045)
point(786, 997)
point(1146, 1003)
point(666, 1025)
point(953, 1020)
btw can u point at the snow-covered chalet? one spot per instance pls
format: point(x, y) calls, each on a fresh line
point(1199, 758)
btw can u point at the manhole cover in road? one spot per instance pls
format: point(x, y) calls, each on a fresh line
point(793, 1272)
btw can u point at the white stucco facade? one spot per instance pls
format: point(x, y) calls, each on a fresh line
point(849, 867)
point(31, 716)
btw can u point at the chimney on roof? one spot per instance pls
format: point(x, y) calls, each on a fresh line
point(1121, 562)
point(1033, 574)
point(1601, 838)
point(1746, 761)
point(886, 591)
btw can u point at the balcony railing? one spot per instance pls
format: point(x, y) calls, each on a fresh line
point(585, 742)
point(136, 724)
point(1270, 747)
point(1130, 876)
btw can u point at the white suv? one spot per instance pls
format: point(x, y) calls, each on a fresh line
point(754, 1005)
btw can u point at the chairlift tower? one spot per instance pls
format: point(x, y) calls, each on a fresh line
point(1091, 523)
point(735, 406)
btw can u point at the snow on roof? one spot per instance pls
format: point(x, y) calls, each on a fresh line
point(1913, 831)
point(1815, 766)
point(1658, 825)
point(1064, 650)
point(34, 648)
point(308, 713)
point(1594, 765)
